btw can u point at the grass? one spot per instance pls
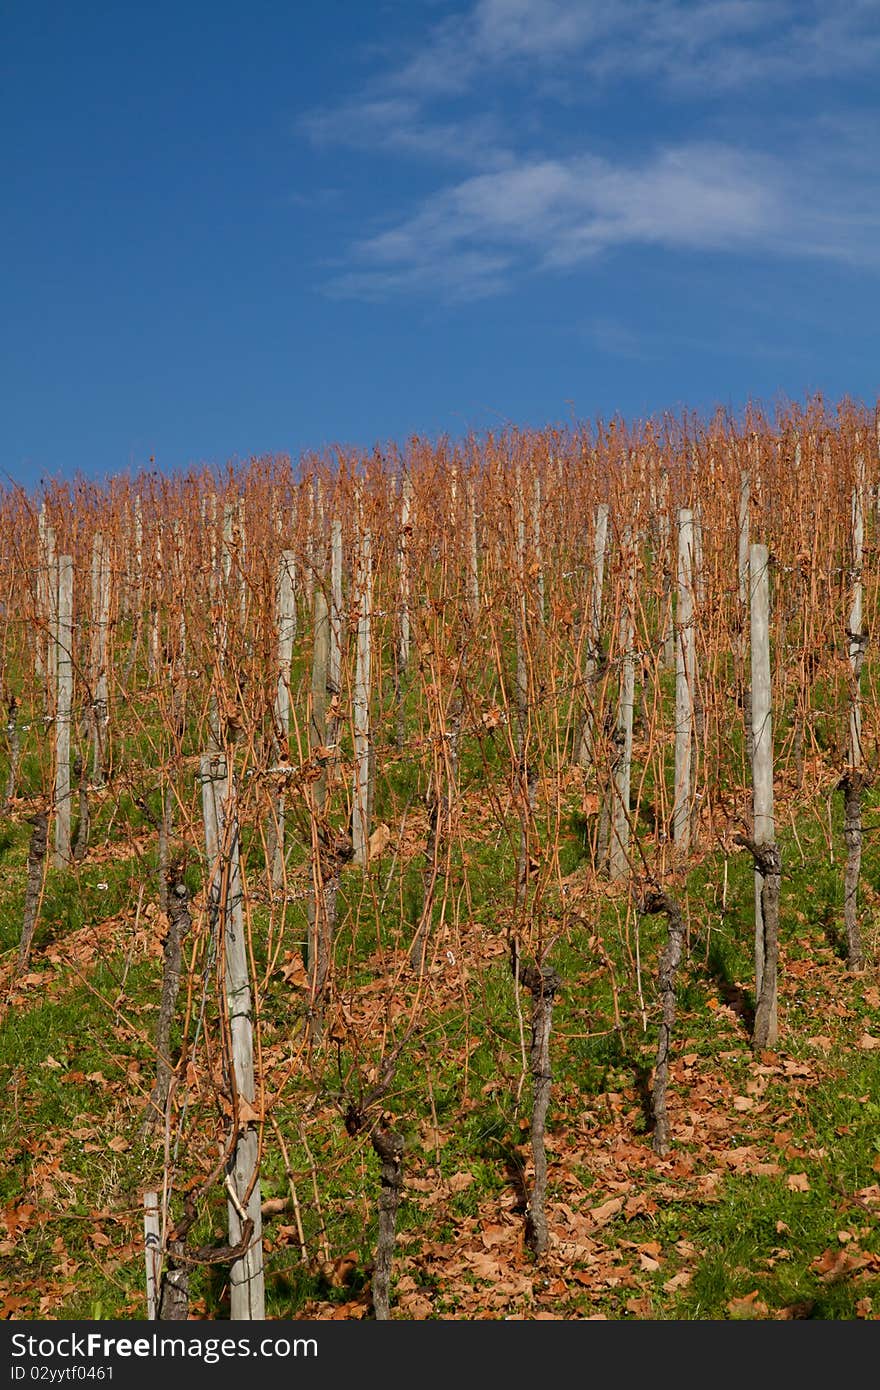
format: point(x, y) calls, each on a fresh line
point(766, 1206)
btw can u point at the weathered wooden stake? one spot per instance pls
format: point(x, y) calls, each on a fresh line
point(360, 827)
point(63, 661)
point(334, 661)
point(403, 588)
point(594, 633)
point(543, 983)
point(854, 779)
point(685, 666)
point(285, 618)
point(152, 1252)
point(743, 590)
point(247, 1291)
point(99, 714)
point(618, 854)
point(767, 860)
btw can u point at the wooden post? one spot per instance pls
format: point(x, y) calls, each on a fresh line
point(63, 646)
point(618, 855)
point(247, 1292)
point(360, 827)
point(522, 673)
point(594, 632)
point(403, 569)
point(403, 583)
point(743, 589)
point(152, 1253)
point(98, 654)
point(241, 548)
point(854, 777)
point(855, 636)
point(228, 541)
point(762, 783)
point(685, 664)
point(320, 690)
point(334, 667)
point(285, 611)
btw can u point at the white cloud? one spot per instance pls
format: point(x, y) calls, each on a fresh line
point(552, 215)
point(398, 123)
point(804, 186)
point(719, 44)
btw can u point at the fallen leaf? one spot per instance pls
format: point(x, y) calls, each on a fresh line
point(798, 1182)
point(607, 1210)
point(459, 1181)
point(750, 1306)
point(379, 840)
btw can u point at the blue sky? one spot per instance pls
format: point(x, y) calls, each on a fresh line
point(235, 230)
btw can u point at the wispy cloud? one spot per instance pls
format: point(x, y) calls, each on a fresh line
point(522, 210)
point(722, 43)
point(399, 124)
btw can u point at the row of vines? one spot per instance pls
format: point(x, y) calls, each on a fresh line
point(349, 715)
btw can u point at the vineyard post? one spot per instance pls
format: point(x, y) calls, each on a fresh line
point(618, 857)
point(63, 645)
point(853, 779)
point(241, 547)
point(685, 663)
point(247, 1292)
point(403, 634)
point(594, 632)
point(152, 1252)
point(360, 827)
point(334, 664)
point(309, 577)
point(285, 600)
point(743, 590)
point(98, 654)
point(764, 850)
point(473, 572)
point(664, 531)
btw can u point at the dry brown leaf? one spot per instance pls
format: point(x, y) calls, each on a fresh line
point(750, 1306)
point(607, 1210)
point(798, 1182)
point(379, 840)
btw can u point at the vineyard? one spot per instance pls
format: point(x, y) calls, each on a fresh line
point(442, 882)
